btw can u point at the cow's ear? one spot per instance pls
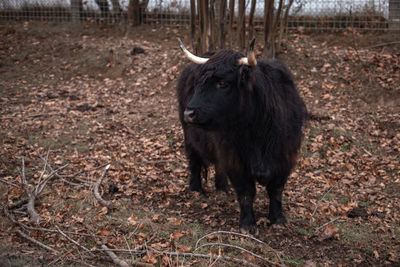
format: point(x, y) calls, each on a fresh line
point(245, 78)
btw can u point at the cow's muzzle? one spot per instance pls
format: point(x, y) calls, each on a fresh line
point(189, 115)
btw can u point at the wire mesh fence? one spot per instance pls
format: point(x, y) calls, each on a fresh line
point(306, 14)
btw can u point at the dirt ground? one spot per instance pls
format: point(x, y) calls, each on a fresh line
point(91, 95)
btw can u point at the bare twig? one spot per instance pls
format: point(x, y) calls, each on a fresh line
point(36, 242)
point(26, 227)
point(33, 215)
point(23, 172)
point(325, 224)
point(74, 242)
point(145, 161)
point(241, 249)
point(230, 233)
point(382, 44)
point(18, 204)
point(207, 256)
point(103, 202)
point(241, 235)
point(114, 257)
point(44, 170)
point(61, 177)
point(51, 175)
point(130, 251)
point(319, 201)
point(9, 183)
point(85, 171)
point(178, 254)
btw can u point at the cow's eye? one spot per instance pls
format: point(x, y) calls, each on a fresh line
point(222, 84)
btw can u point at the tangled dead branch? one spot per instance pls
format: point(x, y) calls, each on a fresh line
point(35, 191)
point(40, 244)
point(33, 194)
point(96, 193)
point(240, 248)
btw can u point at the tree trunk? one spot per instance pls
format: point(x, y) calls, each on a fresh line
point(104, 8)
point(251, 19)
point(231, 19)
point(211, 33)
point(242, 25)
point(394, 14)
point(222, 11)
point(277, 16)
point(193, 22)
point(268, 21)
point(134, 12)
point(204, 25)
point(284, 24)
point(76, 10)
point(275, 29)
point(117, 10)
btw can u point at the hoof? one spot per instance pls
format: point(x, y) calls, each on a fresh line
point(280, 221)
point(222, 188)
point(198, 190)
point(249, 230)
point(221, 184)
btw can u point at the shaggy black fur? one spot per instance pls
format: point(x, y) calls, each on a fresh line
point(244, 120)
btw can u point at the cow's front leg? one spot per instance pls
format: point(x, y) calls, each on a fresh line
point(275, 205)
point(245, 190)
point(195, 166)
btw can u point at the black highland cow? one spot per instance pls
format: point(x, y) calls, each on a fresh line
point(244, 116)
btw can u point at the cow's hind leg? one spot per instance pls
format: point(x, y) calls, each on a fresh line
point(221, 180)
point(195, 166)
point(275, 205)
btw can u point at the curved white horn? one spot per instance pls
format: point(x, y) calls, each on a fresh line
point(251, 57)
point(190, 56)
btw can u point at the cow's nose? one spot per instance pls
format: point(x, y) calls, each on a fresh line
point(189, 115)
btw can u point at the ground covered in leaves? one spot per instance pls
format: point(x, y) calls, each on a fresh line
point(76, 98)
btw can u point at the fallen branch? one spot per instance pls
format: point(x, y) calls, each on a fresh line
point(319, 201)
point(45, 160)
point(85, 171)
point(44, 170)
point(241, 235)
point(40, 186)
point(382, 44)
point(241, 249)
point(206, 256)
point(33, 215)
point(40, 244)
point(26, 227)
point(74, 242)
point(114, 257)
point(9, 183)
point(325, 224)
point(32, 195)
point(18, 204)
point(96, 193)
point(177, 254)
point(229, 233)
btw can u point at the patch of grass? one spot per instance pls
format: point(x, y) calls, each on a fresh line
point(397, 229)
point(329, 197)
point(359, 235)
point(366, 203)
point(345, 148)
point(303, 231)
point(344, 199)
point(295, 262)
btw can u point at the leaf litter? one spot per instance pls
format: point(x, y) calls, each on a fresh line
point(91, 107)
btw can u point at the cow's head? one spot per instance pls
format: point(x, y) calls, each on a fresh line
point(222, 88)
